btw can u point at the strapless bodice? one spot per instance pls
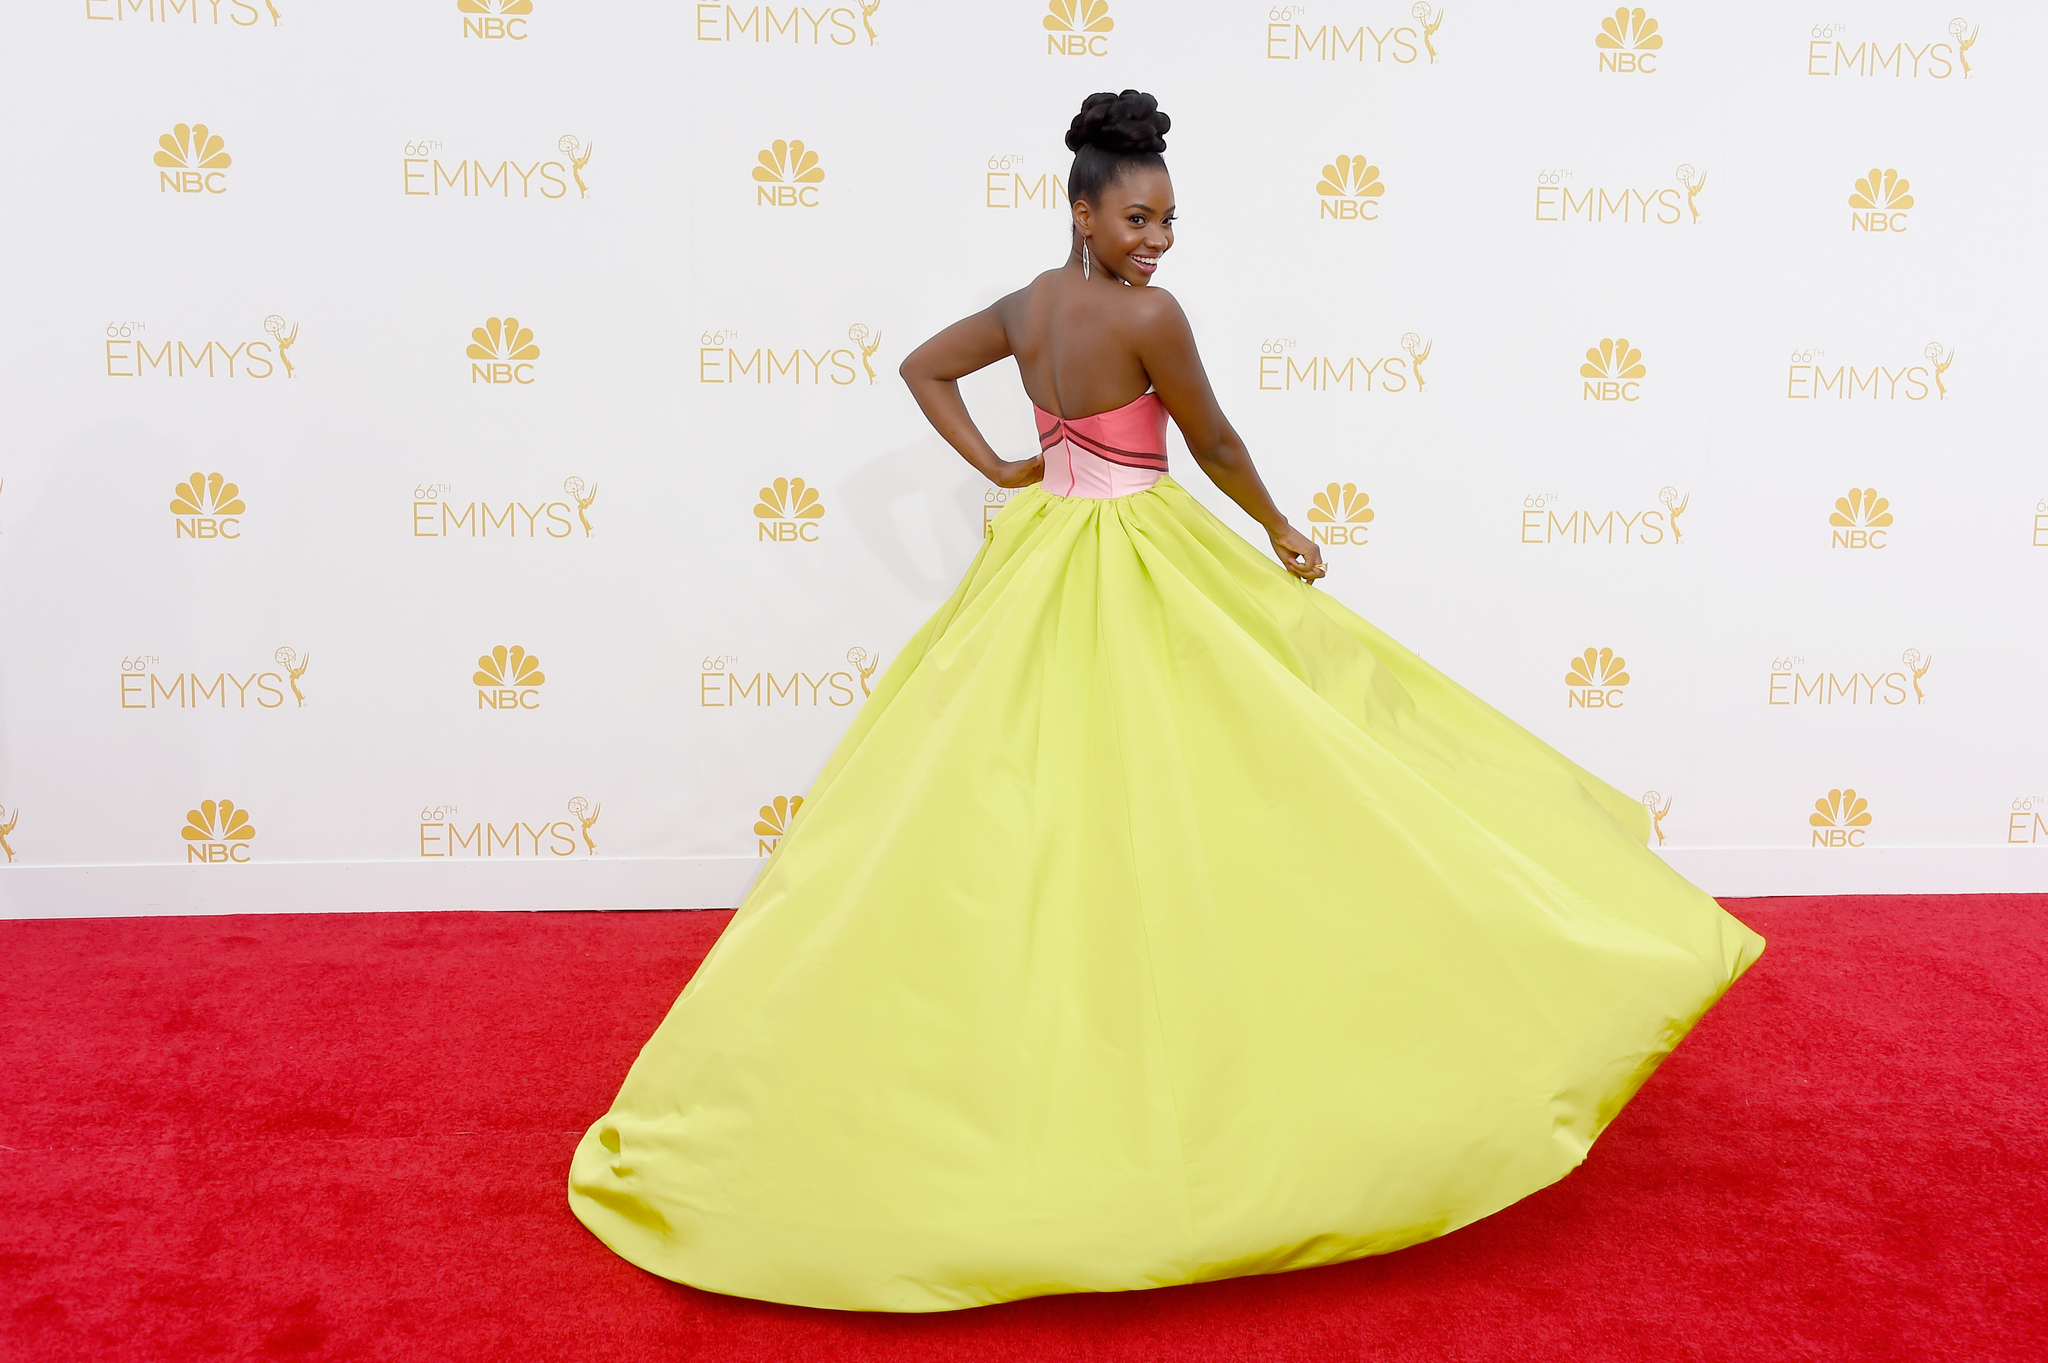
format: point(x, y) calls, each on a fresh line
point(1110, 454)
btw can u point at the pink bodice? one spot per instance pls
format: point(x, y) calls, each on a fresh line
point(1110, 454)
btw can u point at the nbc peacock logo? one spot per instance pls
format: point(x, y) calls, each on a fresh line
point(1629, 42)
point(495, 18)
point(217, 832)
point(1077, 28)
point(787, 175)
point(1595, 680)
point(1350, 190)
point(788, 512)
point(1860, 520)
point(1880, 201)
point(1612, 371)
point(775, 820)
point(502, 351)
point(1339, 514)
point(192, 159)
point(1840, 818)
point(508, 679)
point(207, 507)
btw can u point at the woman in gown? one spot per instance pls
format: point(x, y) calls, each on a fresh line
point(1158, 919)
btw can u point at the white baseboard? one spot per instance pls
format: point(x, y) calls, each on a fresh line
point(721, 882)
point(347, 887)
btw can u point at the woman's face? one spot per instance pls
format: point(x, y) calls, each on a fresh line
point(1132, 227)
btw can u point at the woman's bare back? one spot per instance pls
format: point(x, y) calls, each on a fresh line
point(1076, 343)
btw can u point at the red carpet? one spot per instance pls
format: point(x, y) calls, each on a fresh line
point(346, 1138)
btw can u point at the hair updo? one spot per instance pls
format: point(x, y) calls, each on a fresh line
point(1111, 135)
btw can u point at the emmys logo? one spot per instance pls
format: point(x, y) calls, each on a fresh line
point(787, 175)
point(494, 18)
point(442, 836)
point(217, 832)
point(1339, 515)
point(1881, 200)
point(1860, 519)
point(1841, 818)
point(1885, 686)
point(1350, 190)
point(193, 160)
point(239, 13)
point(1288, 40)
point(1659, 806)
point(719, 360)
point(1611, 371)
point(1808, 377)
point(428, 178)
point(508, 679)
point(1557, 200)
point(789, 512)
point(144, 688)
point(1644, 525)
point(775, 820)
point(1629, 42)
point(721, 684)
point(2026, 823)
point(1077, 28)
point(506, 350)
point(1595, 679)
point(434, 515)
point(208, 507)
point(1282, 369)
point(1828, 55)
point(128, 355)
point(760, 24)
point(8, 823)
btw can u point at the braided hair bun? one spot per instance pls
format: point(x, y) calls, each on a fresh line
point(1119, 124)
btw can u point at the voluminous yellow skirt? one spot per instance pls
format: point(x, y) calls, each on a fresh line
point(1158, 919)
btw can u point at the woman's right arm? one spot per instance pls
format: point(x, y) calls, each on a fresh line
point(934, 371)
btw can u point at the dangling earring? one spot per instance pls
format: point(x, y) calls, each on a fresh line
point(1084, 258)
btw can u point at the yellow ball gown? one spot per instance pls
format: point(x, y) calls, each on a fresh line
point(1157, 920)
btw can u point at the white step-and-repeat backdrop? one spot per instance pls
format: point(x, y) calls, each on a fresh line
point(453, 456)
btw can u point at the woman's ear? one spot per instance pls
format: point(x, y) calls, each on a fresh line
point(1084, 217)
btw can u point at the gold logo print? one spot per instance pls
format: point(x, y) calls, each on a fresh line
point(1077, 28)
point(507, 350)
point(1918, 666)
point(586, 814)
point(864, 663)
point(508, 679)
point(208, 507)
point(869, 342)
point(1612, 368)
point(1595, 680)
point(578, 159)
point(1963, 45)
point(176, 11)
point(1881, 200)
point(294, 668)
point(1430, 24)
point(494, 18)
point(1860, 519)
point(193, 159)
point(1659, 806)
point(1339, 515)
point(1348, 188)
point(789, 511)
point(1675, 503)
point(1839, 819)
point(217, 832)
point(7, 830)
point(775, 819)
point(1694, 182)
point(1644, 525)
point(1418, 351)
point(788, 176)
point(1629, 41)
point(585, 498)
point(1827, 56)
point(1941, 363)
